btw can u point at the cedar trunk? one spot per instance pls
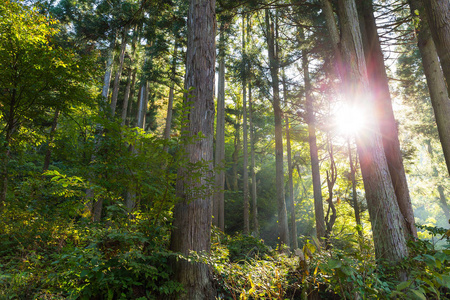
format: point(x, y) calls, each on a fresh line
point(379, 85)
point(387, 222)
point(192, 214)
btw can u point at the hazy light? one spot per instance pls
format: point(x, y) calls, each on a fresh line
point(350, 120)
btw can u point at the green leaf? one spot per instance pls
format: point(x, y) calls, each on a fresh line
point(418, 295)
point(334, 263)
point(403, 285)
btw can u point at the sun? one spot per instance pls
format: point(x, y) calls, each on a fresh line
point(350, 120)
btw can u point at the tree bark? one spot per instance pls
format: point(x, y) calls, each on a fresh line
point(168, 127)
point(252, 164)
point(379, 86)
point(438, 15)
point(293, 231)
point(115, 93)
point(131, 78)
point(435, 78)
point(313, 151)
point(245, 134)
point(354, 194)
point(283, 228)
point(387, 222)
point(192, 215)
point(218, 205)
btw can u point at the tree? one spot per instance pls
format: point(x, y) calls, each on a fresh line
point(438, 15)
point(379, 86)
point(35, 74)
point(272, 47)
point(387, 222)
point(192, 214)
point(244, 130)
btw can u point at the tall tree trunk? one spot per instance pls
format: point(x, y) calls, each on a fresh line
point(435, 78)
point(168, 127)
point(442, 199)
point(252, 164)
point(245, 133)
point(108, 72)
point(48, 152)
point(283, 228)
point(438, 15)
point(192, 215)
point(131, 77)
point(313, 151)
point(387, 222)
point(293, 231)
point(115, 93)
point(379, 86)
point(354, 194)
point(331, 180)
point(218, 205)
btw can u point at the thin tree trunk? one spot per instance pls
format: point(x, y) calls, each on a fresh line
point(283, 228)
point(252, 164)
point(115, 93)
point(293, 231)
point(108, 72)
point(314, 153)
point(48, 153)
point(438, 15)
point(387, 222)
point(245, 133)
point(354, 194)
point(192, 215)
point(388, 126)
point(168, 127)
point(435, 79)
point(131, 77)
point(218, 205)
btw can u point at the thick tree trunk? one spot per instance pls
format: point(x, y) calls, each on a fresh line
point(293, 231)
point(283, 228)
point(218, 205)
point(379, 86)
point(435, 78)
point(314, 153)
point(115, 93)
point(438, 15)
point(387, 222)
point(245, 133)
point(192, 215)
point(48, 152)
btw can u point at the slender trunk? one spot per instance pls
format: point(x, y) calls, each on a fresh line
point(435, 79)
point(115, 93)
point(379, 86)
point(218, 206)
point(354, 194)
point(293, 231)
point(131, 76)
point(171, 92)
point(252, 166)
point(48, 153)
point(245, 133)
point(331, 180)
point(235, 155)
point(314, 153)
point(387, 222)
point(192, 215)
point(128, 117)
point(438, 15)
point(283, 228)
point(108, 72)
point(142, 105)
point(442, 199)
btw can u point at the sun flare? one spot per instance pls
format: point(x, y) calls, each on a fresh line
point(350, 120)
